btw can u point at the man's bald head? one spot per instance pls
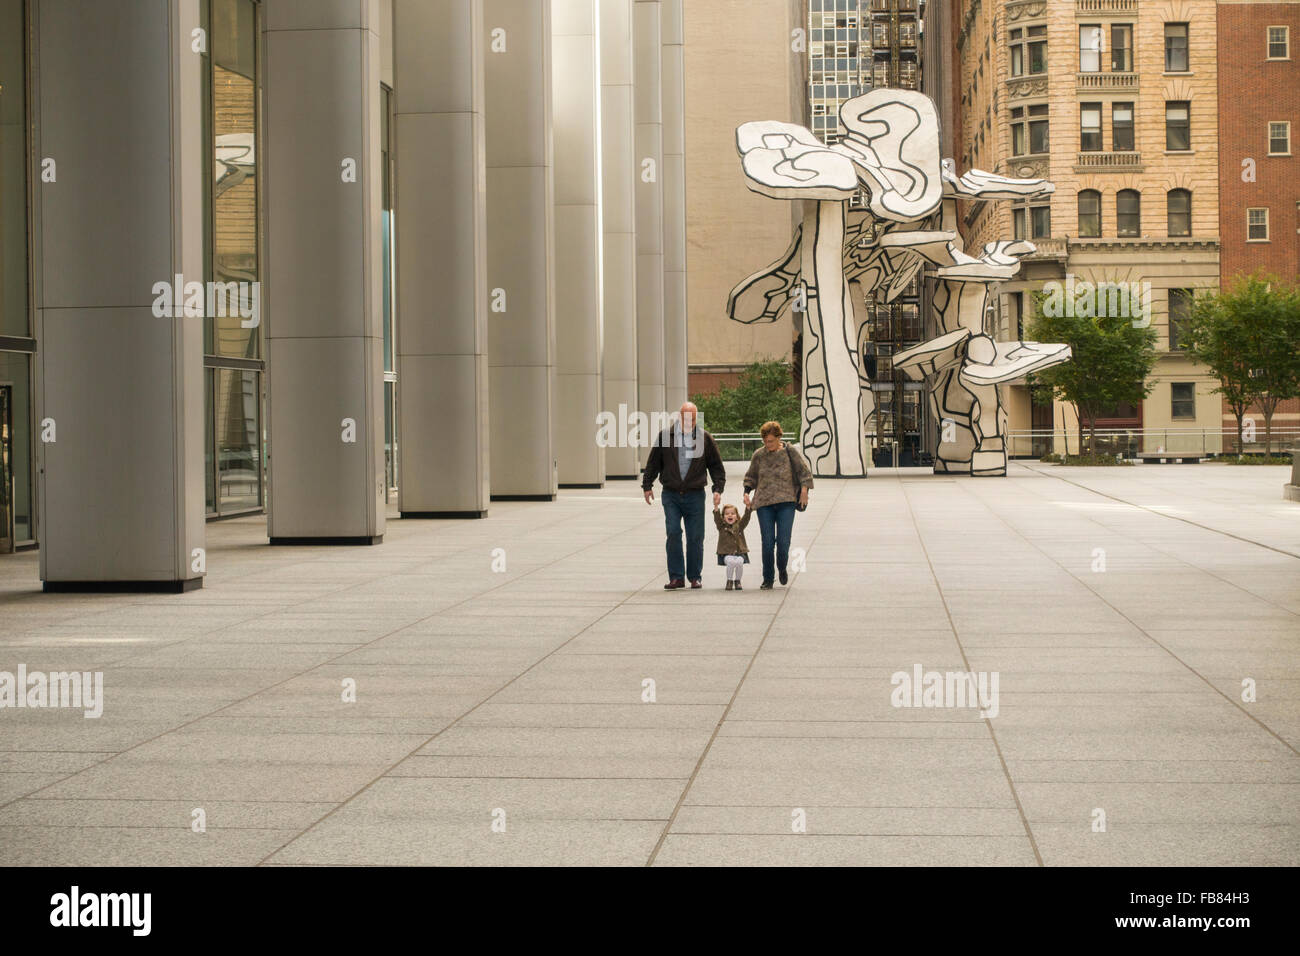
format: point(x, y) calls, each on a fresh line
point(688, 414)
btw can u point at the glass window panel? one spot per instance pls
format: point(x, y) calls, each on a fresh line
point(1089, 126)
point(1089, 213)
point(1041, 222)
point(1180, 212)
point(1279, 138)
point(1178, 130)
point(15, 449)
point(239, 460)
point(234, 187)
point(1121, 47)
point(1182, 399)
point(1278, 43)
point(209, 444)
point(1038, 56)
point(1122, 126)
point(1090, 48)
point(1128, 208)
point(1038, 137)
point(1175, 47)
point(1257, 223)
point(1180, 311)
point(13, 172)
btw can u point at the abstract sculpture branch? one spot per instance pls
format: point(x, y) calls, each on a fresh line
point(890, 152)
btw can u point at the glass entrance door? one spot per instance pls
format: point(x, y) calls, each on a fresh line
point(6, 469)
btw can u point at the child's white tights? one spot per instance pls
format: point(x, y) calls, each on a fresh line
point(735, 566)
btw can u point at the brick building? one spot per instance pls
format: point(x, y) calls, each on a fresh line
point(1114, 101)
point(1259, 167)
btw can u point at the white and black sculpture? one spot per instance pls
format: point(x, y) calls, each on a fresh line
point(891, 153)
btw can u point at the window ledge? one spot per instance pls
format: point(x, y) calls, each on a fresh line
point(1180, 152)
point(1178, 73)
point(1279, 155)
point(1259, 240)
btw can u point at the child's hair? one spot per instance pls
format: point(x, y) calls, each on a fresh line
point(726, 508)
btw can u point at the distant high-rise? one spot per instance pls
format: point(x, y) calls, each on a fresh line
point(855, 46)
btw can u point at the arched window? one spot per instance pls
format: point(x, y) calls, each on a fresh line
point(1128, 213)
point(1180, 212)
point(1089, 214)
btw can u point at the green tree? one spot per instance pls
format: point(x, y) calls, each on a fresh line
point(762, 395)
point(1112, 354)
point(1248, 335)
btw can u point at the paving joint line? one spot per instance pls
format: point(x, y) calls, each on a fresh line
point(654, 854)
point(1141, 630)
point(961, 649)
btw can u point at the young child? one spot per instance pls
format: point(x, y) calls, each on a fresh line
point(732, 550)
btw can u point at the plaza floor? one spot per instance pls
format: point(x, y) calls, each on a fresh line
point(502, 713)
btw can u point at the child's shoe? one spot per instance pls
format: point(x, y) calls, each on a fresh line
point(738, 587)
point(730, 585)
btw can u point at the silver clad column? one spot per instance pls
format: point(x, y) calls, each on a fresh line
point(118, 106)
point(674, 181)
point(440, 223)
point(647, 63)
point(323, 297)
point(578, 232)
point(620, 173)
point(520, 248)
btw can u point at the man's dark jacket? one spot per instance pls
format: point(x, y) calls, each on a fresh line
point(662, 464)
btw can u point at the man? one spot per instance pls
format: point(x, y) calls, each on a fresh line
point(681, 455)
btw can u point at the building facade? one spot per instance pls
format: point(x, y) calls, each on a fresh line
point(1116, 102)
point(1259, 169)
point(753, 64)
point(309, 259)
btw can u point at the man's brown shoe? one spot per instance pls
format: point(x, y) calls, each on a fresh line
point(696, 584)
point(674, 584)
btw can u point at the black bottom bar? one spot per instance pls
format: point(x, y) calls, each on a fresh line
point(522, 497)
point(622, 477)
point(357, 539)
point(123, 587)
point(594, 484)
point(443, 514)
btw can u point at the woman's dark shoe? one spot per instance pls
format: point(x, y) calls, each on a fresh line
point(674, 584)
point(785, 578)
point(765, 586)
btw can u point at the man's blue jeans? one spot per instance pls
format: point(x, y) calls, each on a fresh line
point(688, 505)
point(775, 522)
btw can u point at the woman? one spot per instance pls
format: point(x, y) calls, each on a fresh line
point(776, 485)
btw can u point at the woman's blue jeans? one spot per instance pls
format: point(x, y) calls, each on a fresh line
point(775, 523)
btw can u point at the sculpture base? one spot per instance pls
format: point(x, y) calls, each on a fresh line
point(1291, 492)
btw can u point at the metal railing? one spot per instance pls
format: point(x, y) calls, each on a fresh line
point(740, 446)
point(1138, 442)
point(1130, 443)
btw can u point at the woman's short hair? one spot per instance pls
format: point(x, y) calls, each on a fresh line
point(770, 428)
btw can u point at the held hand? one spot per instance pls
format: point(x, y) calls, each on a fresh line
point(746, 499)
point(717, 499)
point(649, 495)
point(803, 497)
